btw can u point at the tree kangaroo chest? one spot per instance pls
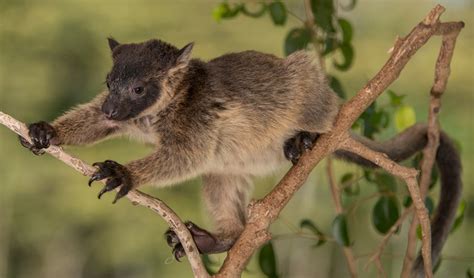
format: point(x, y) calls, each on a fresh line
point(141, 129)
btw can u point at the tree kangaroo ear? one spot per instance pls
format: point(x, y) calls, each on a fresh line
point(112, 43)
point(184, 54)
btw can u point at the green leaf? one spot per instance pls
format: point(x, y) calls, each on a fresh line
point(219, 10)
point(407, 201)
point(457, 145)
point(429, 204)
point(374, 120)
point(330, 44)
point(267, 261)
point(339, 230)
point(437, 265)
point(308, 224)
point(223, 10)
point(416, 163)
point(346, 29)
point(418, 232)
point(417, 160)
point(469, 274)
point(434, 177)
point(368, 126)
point(385, 182)
point(349, 188)
point(208, 263)
point(352, 190)
point(404, 117)
point(347, 177)
point(385, 213)
point(297, 39)
point(395, 100)
point(459, 216)
point(277, 12)
point(255, 14)
point(369, 175)
point(336, 85)
point(384, 118)
point(323, 11)
point(348, 54)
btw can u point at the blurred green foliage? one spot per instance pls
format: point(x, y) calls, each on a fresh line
point(53, 54)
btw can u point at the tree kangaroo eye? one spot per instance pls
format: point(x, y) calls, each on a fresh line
point(138, 90)
point(108, 85)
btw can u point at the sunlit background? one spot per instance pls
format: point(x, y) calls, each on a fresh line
point(53, 54)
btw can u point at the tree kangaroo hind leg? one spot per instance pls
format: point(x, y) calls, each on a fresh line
point(226, 198)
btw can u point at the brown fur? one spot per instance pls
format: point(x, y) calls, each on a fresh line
point(226, 119)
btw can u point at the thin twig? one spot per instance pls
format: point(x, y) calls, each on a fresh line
point(311, 25)
point(442, 70)
point(135, 196)
point(409, 176)
point(295, 15)
point(336, 197)
point(376, 256)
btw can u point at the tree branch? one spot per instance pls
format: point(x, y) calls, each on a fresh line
point(409, 176)
point(376, 256)
point(135, 196)
point(263, 212)
point(449, 31)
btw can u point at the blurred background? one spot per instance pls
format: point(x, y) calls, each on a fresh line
point(54, 54)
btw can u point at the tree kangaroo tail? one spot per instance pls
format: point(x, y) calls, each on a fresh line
point(401, 147)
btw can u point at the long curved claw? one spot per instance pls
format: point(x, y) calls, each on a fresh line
point(116, 175)
point(102, 173)
point(93, 179)
point(109, 186)
point(171, 238)
point(178, 252)
point(122, 192)
point(30, 146)
point(97, 176)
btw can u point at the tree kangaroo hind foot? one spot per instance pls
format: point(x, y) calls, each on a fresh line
point(206, 242)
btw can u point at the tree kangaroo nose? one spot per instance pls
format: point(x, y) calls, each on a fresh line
point(109, 110)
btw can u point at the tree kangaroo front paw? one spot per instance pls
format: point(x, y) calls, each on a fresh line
point(116, 175)
point(42, 136)
point(205, 241)
point(295, 146)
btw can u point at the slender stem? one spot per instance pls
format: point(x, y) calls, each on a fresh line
point(409, 176)
point(442, 70)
